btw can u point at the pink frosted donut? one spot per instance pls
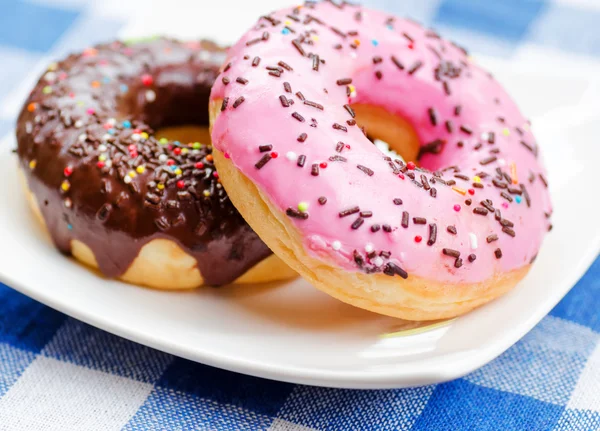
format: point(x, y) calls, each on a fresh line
point(431, 238)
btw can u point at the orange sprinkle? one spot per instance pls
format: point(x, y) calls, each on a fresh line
point(357, 42)
point(209, 157)
point(96, 84)
point(513, 173)
point(459, 190)
point(31, 107)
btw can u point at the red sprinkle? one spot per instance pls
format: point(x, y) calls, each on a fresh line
point(227, 156)
point(199, 165)
point(274, 154)
point(180, 184)
point(170, 162)
point(100, 164)
point(401, 176)
point(418, 238)
point(411, 46)
point(68, 171)
point(147, 80)
point(411, 165)
point(177, 151)
point(215, 174)
point(471, 191)
point(323, 165)
point(457, 208)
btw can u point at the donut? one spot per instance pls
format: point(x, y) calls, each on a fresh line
point(146, 210)
point(454, 223)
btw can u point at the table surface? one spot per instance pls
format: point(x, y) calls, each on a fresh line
point(58, 373)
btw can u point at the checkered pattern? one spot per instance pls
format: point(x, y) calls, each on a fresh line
point(57, 373)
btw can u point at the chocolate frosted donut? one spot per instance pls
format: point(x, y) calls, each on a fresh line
point(146, 210)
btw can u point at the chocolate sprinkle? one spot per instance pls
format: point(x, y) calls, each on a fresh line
point(405, 219)
point(432, 234)
point(415, 67)
point(322, 200)
point(302, 137)
point(301, 160)
point(287, 87)
point(344, 81)
point(263, 161)
point(314, 170)
point(298, 117)
point(480, 211)
point(472, 258)
point(265, 148)
point(397, 62)
point(238, 101)
point(491, 238)
point(366, 170)
point(284, 101)
point(392, 269)
point(498, 253)
point(458, 262)
point(349, 211)
point(224, 104)
point(419, 220)
point(358, 223)
point(397, 201)
point(350, 110)
point(509, 231)
point(451, 229)
point(296, 214)
point(450, 252)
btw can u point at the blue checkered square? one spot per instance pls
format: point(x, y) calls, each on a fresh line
point(340, 410)
point(25, 323)
point(33, 27)
point(461, 405)
point(13, 362)
point(82, 344)
point(578, 420)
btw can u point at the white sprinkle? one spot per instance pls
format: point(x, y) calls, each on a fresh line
point(82, 137)
point(50, 77)
point(108, 163)
point(150, 96)
point(219, 185)
point(485, 136)
point(291, 156)
point(501, 162)
point(68, 203)
point(107, 137)
point(377, 261)
point(204, 55)
point(473, 240)
point(336, 245)
point(111, 121)
point(78, 124)
point(127, 179)
point(369, 248)
point(352, 54)
point(135, 137)
point(163, 158)
point(102, 148)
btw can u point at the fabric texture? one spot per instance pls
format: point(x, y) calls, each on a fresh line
point(57, 373)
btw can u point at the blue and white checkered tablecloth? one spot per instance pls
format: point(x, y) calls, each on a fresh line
point(57, 373)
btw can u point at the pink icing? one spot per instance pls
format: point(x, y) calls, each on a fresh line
point(486, 110)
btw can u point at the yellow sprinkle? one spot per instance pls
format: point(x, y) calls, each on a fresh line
point(52, 66)
point(506, 131)
point(140, 169)
point(160, 186)
point(32, 164)
point(513, 173)
point(80, 103)
point(476, 179)
point(459, 190)
point(184, 151)
point(132, 174)
point(178, 171)
point(102, 157)
point(144, 135)
point(163, 141)
point(287, 22)
point(65, 186)
point(206, 193)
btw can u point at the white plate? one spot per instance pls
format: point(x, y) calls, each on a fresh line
point(294, 333)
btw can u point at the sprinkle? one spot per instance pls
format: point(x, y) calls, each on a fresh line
point(140, 169)
point(33, 164)
point(303, 206)
point(451, 229)
point(392, 269)
point(397, 62)
point(47, 89)
point(241, 80)
point(150, 96)
point(358, 223)
point(432, 116)
point(350, 110)
point(298, 47)
point(314, 105)
point(301, 160)
point(238, 101)
point(349, 211)
point(224, 104)
point(419, 220)
point(314, 170)
point(473, 240)
point(466, 130)
point(498, 253)
point(418, 238)
point(460, 191)
point(411, 166)
point(375, 228)
point(265, 148)
point(65, 186)
point(458, 262)
point(336, 245)
point(255, 61)
point(480, 211)
point(322, 200)
point(397, 201)
point(298, 117)
point(450, 252)
point(432, 234)
point(415, 67)
point(337, 126)
point(509, 231)
point(366, 170)
point(291, 156)
point(488, 160)
point(291, 212)
point(302, 137)
point(263, 161)
point(405, 219)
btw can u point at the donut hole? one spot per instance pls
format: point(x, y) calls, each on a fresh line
point(395, 131)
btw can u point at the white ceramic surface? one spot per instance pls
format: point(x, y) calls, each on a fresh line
point(294, 333)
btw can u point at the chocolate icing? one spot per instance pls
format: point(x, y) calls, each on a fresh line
point(100, 179)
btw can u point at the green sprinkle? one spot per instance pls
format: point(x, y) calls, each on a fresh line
point(303, 206)
point(47, 89)
point(163, 141)
point(197, 145)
